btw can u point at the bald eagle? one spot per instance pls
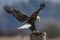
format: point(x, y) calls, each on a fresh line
point(20, 16)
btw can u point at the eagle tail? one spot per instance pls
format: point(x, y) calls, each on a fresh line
point(26, 26)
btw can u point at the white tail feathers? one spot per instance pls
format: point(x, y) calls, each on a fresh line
point(26, 26)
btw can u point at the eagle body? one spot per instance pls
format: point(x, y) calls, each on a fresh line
point(20, 16)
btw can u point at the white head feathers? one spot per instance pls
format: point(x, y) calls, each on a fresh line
point(38, 18)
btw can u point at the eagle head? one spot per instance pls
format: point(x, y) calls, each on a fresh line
point(38, 18)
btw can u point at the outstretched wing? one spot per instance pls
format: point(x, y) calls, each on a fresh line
point(16, 13)
point(35, 13)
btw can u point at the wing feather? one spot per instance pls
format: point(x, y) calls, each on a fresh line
point(16, 13)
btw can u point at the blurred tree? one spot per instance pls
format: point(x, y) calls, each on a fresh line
point(52, 30)
point(2, 33)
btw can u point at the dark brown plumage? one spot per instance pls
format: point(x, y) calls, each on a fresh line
point(22, 17)
point(16, 13)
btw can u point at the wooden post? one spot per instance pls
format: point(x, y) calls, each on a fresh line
point(38, 36)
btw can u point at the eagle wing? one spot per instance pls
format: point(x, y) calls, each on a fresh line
point(20, 16)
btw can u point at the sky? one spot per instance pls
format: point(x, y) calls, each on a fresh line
point(49, 13)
